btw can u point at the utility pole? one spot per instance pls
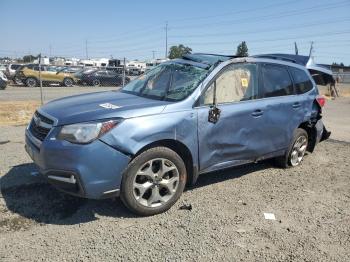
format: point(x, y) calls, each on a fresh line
point(166, 39)
point(153, 52)
point(50, 48)
point(40, 82)
point(124, 72)
point(86, 49)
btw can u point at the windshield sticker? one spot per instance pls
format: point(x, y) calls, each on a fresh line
point(244, 82)
point(109, 106)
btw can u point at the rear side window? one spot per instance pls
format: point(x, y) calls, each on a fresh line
point(302, 81)
point(14, 67)
point(277, 81)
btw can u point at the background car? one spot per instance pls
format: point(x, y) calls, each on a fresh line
point(133, 71)
point(3, 80)
point(29, 75)
point(2, 68)
point(101, 77)
point(11, 73)
point(117, 69)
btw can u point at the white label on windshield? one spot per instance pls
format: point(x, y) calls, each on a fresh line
point(109, 106)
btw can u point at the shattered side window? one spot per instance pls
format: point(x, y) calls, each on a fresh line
point(238, 82)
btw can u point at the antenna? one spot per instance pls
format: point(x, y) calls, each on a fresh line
point(296, 48)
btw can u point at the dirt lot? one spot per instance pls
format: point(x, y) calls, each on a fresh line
point(311, 204)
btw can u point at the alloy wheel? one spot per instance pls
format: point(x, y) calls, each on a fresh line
point(31, 82)
point(298, 151)
point(96, 82)
point(68, 82)
point(156, 182)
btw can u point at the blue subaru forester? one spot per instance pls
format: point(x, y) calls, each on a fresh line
point(183, 118)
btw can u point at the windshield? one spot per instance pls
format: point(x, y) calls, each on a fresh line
point(168, 81)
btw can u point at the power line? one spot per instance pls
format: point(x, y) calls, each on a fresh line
point(268, 17)
point(273, 39)
point(257, 31)
point(237, 11)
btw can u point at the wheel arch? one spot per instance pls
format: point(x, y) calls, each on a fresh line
point(312, 135)
point(182, 150)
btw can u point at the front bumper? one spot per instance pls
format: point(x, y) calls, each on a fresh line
point(91, 171)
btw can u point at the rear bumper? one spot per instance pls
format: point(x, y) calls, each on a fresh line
point(91, 171)
point(322, 133)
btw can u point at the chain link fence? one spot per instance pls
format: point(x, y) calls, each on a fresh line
point(343, 78)
point(46, 81)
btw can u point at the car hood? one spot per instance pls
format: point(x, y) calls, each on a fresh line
point(100, 105)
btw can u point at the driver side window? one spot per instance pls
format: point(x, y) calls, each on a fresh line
point(237, 82)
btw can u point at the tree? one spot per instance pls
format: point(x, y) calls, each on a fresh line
point(29, 58)
point(242, 49)
point(179, 51)
point(336, 64)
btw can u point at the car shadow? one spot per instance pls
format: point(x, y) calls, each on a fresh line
point(228, 173)
point(32, 197)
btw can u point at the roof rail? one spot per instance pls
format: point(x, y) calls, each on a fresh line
point(277, 57)
point(230, 56)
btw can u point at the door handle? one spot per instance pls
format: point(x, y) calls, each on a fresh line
point(296, 105)
point(257, 113)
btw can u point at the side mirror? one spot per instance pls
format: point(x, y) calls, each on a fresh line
point(214, 114)
point(214, 111)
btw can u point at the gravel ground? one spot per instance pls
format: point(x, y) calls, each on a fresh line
point(311, 204)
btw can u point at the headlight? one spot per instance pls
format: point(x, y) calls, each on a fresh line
point(84, 133)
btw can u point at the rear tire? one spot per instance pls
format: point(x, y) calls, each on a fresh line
point(31, 82)
point(153, 181)
point(296, 150)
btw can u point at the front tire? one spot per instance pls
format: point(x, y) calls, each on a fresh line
point(96, 82)
point(296, 150)
point(153, 181)
point(31, 82)
point(67, 82)
point(17, 81)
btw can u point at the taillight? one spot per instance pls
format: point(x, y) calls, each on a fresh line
point(321, 100)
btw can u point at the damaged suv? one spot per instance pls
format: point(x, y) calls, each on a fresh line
point(183, 118)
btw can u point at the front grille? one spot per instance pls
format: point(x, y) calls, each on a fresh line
point(40, 126)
